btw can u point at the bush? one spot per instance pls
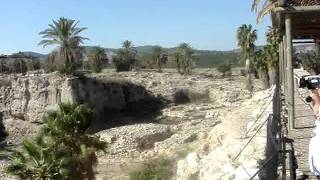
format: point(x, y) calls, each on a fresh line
point(62, 149)
point(122, 65)
point(224, 69)
point(243, 72)
point(155, 169)
point(183, 96)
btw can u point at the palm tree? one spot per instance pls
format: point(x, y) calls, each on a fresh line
point(97, 56)
point(39, 160)
point(176, 56)
point(263, 7)
point(126, 57)
point(62, 148)
point(247, 36)
point(186, 57)
point(159, 56)
point(260, 63)
point(272, 52)
point(65, 33)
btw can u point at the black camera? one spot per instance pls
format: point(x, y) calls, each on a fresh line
point(310, 82)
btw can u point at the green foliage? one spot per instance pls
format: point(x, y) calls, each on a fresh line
point(155, 169)
point(259, 61)
point(224, 68)
point(264, 7)
point(97, 59)
point(147, 61)
point(310, 62)
point(272, 48)
point(66, 34)
point(19, 66)
point(247, 36)
point(62, 149)
point(39, 160)
point(185, 58)
point(260, 64)
point(159, 57)
point(126, 57)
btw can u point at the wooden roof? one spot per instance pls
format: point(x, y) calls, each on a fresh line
point(305, 18)
point(303, 2)
point(306, 25)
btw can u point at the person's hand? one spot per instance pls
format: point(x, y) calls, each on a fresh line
point(315, 101)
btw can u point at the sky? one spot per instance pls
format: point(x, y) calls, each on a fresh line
point(204, 24)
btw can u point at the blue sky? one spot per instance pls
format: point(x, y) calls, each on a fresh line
point(205, 24)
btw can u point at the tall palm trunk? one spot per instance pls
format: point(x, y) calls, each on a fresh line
point(159, 64)
point(249, 85)
point(263, 74)
point(272, 75)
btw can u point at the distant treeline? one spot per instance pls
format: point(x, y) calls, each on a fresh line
point(205, 58)
point(14, 64)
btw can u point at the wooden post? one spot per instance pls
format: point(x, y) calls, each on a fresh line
point(290, 79)
point(281, 64)
point(285, 69)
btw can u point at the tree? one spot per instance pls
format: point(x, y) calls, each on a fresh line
point(126, 57)
point(260, 63)
point(272, 52)
point(66, 34)
point(186, 58)
point(310, 62)
point(97, 59)
point(39, 160)
point(224, 68)
point(247, 36)
point(19, 66)
point(62, 148)
point(159, 57)
point(4, 68)
point(177, 59)
point(264, 7)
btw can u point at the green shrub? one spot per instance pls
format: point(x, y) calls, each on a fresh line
point(155, 169)
point(183, 96)
point(243, 72)
point(122, 65)
point(62, 149)
point(126, 57)
point(225, 69)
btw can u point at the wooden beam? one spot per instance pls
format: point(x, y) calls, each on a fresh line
point(285, 80)
point(297, 9)
point(290, 83)
point(281, 67)
point(304, 42)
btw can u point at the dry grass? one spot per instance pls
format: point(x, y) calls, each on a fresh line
point(154, 169)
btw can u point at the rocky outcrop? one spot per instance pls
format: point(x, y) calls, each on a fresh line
point(134, 138)
point(227, 140)
point(29, 97)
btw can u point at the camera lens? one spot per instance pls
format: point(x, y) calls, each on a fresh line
point(309, 99)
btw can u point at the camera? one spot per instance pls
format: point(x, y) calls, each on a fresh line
point(310, 82)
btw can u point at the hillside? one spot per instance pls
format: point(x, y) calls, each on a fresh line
point(207, 58)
